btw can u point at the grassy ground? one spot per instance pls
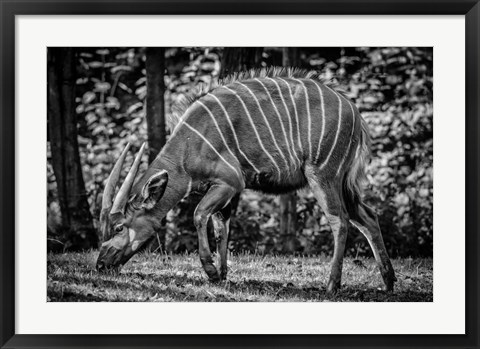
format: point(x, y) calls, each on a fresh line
point(179, 278)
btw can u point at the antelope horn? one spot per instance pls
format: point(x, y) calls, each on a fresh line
point(112, 180)
point(122, 196)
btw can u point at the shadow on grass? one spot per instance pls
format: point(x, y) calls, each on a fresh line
point(72, 296)
point(348, 293)
point(185, 288)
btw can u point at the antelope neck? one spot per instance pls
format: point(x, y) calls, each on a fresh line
point(177, 186)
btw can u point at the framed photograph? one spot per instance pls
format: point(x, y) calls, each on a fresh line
point(268, 174)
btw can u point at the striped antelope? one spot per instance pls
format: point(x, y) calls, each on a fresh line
point(274, 130)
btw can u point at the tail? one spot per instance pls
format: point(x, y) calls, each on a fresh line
point(355, 178)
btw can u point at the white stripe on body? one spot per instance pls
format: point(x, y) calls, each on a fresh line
point(213, 148)
point(296, 114)
point(322, 105)
point(281, 123)
point(255, 129)
point(219, 130)
point(307, 103)
point(180, 123)
point(189, 188)
point(289, 118)
point(350, 140)
point(325, 162)
point(266, 122)
point(233, 132)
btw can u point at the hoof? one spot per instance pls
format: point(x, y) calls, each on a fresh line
point(333, 287)
point(209, 267)
point(223, 274)
point(389, 280)
point(389, 285)
point(212, 273)
point(214, 278)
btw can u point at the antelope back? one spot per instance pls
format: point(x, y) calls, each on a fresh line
point(264, 126)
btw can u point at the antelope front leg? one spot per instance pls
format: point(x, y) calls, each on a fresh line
point(221, 222)
point(217, 197)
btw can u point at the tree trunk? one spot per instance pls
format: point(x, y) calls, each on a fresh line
point(155, 68)
point(288, 202)
point(290, 57)
point(77, 222)
point(235, 59)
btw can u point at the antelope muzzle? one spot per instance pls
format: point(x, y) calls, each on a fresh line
point(113, 254)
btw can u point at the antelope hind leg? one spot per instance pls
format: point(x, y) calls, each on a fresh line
point(367, 223)
point(217, 197)
point(339, 227)
point(331, 204)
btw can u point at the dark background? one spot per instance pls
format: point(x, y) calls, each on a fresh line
point(100, 98)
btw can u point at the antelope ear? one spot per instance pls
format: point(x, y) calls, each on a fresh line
point(153, 190)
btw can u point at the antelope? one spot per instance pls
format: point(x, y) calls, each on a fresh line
point(272, 130)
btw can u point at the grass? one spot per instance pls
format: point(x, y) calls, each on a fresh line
point(179, 278)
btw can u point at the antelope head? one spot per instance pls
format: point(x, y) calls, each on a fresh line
point(127, 219)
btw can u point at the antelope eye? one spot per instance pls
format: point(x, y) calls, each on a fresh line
point(119, 228)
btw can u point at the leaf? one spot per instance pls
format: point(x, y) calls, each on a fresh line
point(141, 81)
point(120, 68)
point(98, 129)
point(141, 92)
point(95, 64)
point(134, 107)
point(102, 86)
point(124, 87)
point(88, 97)
point(102, 52)
point(112, 102)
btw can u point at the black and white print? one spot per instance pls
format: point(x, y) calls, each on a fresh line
point(239, 174)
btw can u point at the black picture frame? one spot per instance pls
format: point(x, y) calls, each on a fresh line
point(9, 9)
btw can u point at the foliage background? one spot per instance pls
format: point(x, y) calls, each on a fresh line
point(392, 87)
